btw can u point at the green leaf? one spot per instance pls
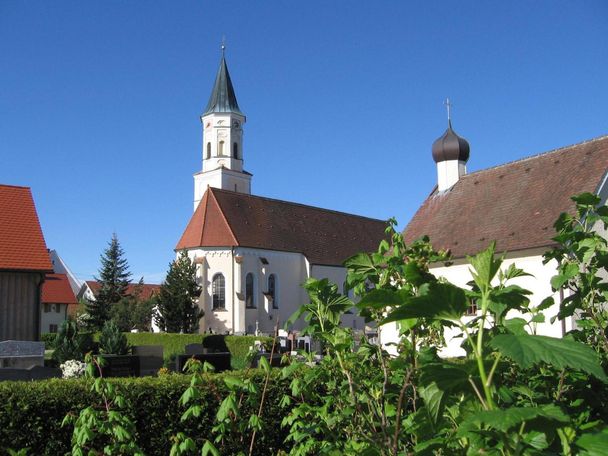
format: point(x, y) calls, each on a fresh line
point(593, 444)
point(441, 301)
point(360, 263)
point(381, 298)
point(209, 449)
point(433, 399)
point(516, 325)
point(586, 199)
point(527, 350)
point(264, 364)
point(505, 419)
point(569, 271)
point(485, 267)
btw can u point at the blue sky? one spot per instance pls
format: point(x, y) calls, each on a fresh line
point(99, 103)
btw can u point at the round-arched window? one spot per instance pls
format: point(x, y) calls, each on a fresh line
point(218, 290)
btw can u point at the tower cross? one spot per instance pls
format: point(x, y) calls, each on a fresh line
point(448, 106)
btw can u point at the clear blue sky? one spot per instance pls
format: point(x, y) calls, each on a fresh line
point(99, 103)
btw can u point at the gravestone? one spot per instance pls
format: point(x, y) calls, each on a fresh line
point(32, 373)
point(274, 362)
point(150, 358)
point(21, 353)
point(120, 366)
point(221, 361)
point(195, 349)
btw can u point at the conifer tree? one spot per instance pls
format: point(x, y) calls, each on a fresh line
point(177, 310)
point(113, 279)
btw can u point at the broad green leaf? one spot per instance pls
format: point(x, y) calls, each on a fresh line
point(264, 364)
point(381, 298)
point(209, 449)
point(433, 399)
point(234, 382)
point(505, 419)
point(586, 199)
point(441, 301)
point(545, 304)
point(447, 377)
point(567, 272)
point(516, 325)
point(485, 266)
point(593, 444)
point(360, 263)
point(527, 350)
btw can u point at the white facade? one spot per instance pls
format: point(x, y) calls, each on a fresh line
point(59, 267)
point(52, 316)
point(222, 155)
point(254, 310)
point(539, 284)
point(448, 173)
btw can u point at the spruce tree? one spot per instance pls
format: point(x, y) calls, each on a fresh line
point(177, 310)
point(113, 279)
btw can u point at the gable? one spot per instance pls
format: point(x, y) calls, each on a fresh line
point(56, 289)
point(514, 204)
point(22, 245)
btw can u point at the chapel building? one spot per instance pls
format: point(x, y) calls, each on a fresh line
point(514, 204)
point(254, 253)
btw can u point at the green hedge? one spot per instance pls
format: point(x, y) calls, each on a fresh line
point(175, 344)
point(31, 413)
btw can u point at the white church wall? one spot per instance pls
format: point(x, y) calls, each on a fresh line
point(290, 271)
point(539, 285)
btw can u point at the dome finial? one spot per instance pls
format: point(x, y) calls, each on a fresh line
point(223, 45)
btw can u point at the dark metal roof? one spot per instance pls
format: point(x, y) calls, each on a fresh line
point(450, 146)
point(223, 98)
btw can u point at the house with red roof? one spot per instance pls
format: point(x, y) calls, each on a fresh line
point(144, 291)
point(254, 253)
point(58, 302)
point(514, 204)
point(24, 262)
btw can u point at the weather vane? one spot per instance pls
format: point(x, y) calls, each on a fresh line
point(448, 106)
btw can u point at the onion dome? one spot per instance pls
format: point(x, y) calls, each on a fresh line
point(450, 146)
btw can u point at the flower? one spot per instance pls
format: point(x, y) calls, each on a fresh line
point(72, 368)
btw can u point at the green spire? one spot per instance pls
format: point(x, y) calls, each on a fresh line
point(223, 98)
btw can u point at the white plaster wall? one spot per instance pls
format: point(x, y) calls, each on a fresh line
point(223, 127)
point(221, 178)
point(209, 262)
point(291, 272)
point(448, 173)
point(52, 317)
point(539, 285)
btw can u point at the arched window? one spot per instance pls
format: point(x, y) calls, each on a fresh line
point(208, 150)
point(272, 291)
point(249, 291)
point(235, 150)
point(218, 291)
point(220, 149)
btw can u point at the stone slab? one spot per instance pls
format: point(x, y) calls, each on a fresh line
point(221, 361)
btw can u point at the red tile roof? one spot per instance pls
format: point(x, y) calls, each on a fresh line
point(514, 204)
point(56, 289)
point(225, 219)
point(22, 245)
point(147, 289)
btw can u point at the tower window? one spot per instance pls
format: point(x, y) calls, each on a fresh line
point(249, 292)
point(218, 290)
point(208, 150)
point(272, 290)
point(235, 150)
point(220, 150)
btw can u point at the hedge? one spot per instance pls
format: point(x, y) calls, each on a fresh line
point(175, 344)
point(31, 413)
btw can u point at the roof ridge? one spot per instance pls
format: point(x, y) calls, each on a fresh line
point(298, 204)
point(15, 186)
point(548, 152)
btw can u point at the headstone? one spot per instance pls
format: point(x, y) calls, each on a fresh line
point(274, 362)
point(150, 358)
point(33, 373)
point(21, 353)
point(221, 361)
point(120, 366)
point(195, 349)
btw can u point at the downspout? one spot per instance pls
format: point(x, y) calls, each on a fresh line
point(37, 319)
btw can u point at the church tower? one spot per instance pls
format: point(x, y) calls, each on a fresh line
point(222, 140)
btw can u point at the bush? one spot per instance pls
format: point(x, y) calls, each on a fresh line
point(112, 341)
point(49, 340)
point(70, 343)
point(31, 413)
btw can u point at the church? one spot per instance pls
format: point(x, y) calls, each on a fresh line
point(254, 253)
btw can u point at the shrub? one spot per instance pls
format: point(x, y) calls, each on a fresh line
point(70, 343)
point(112, 341)
point(49, 340)
point(31, 412)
